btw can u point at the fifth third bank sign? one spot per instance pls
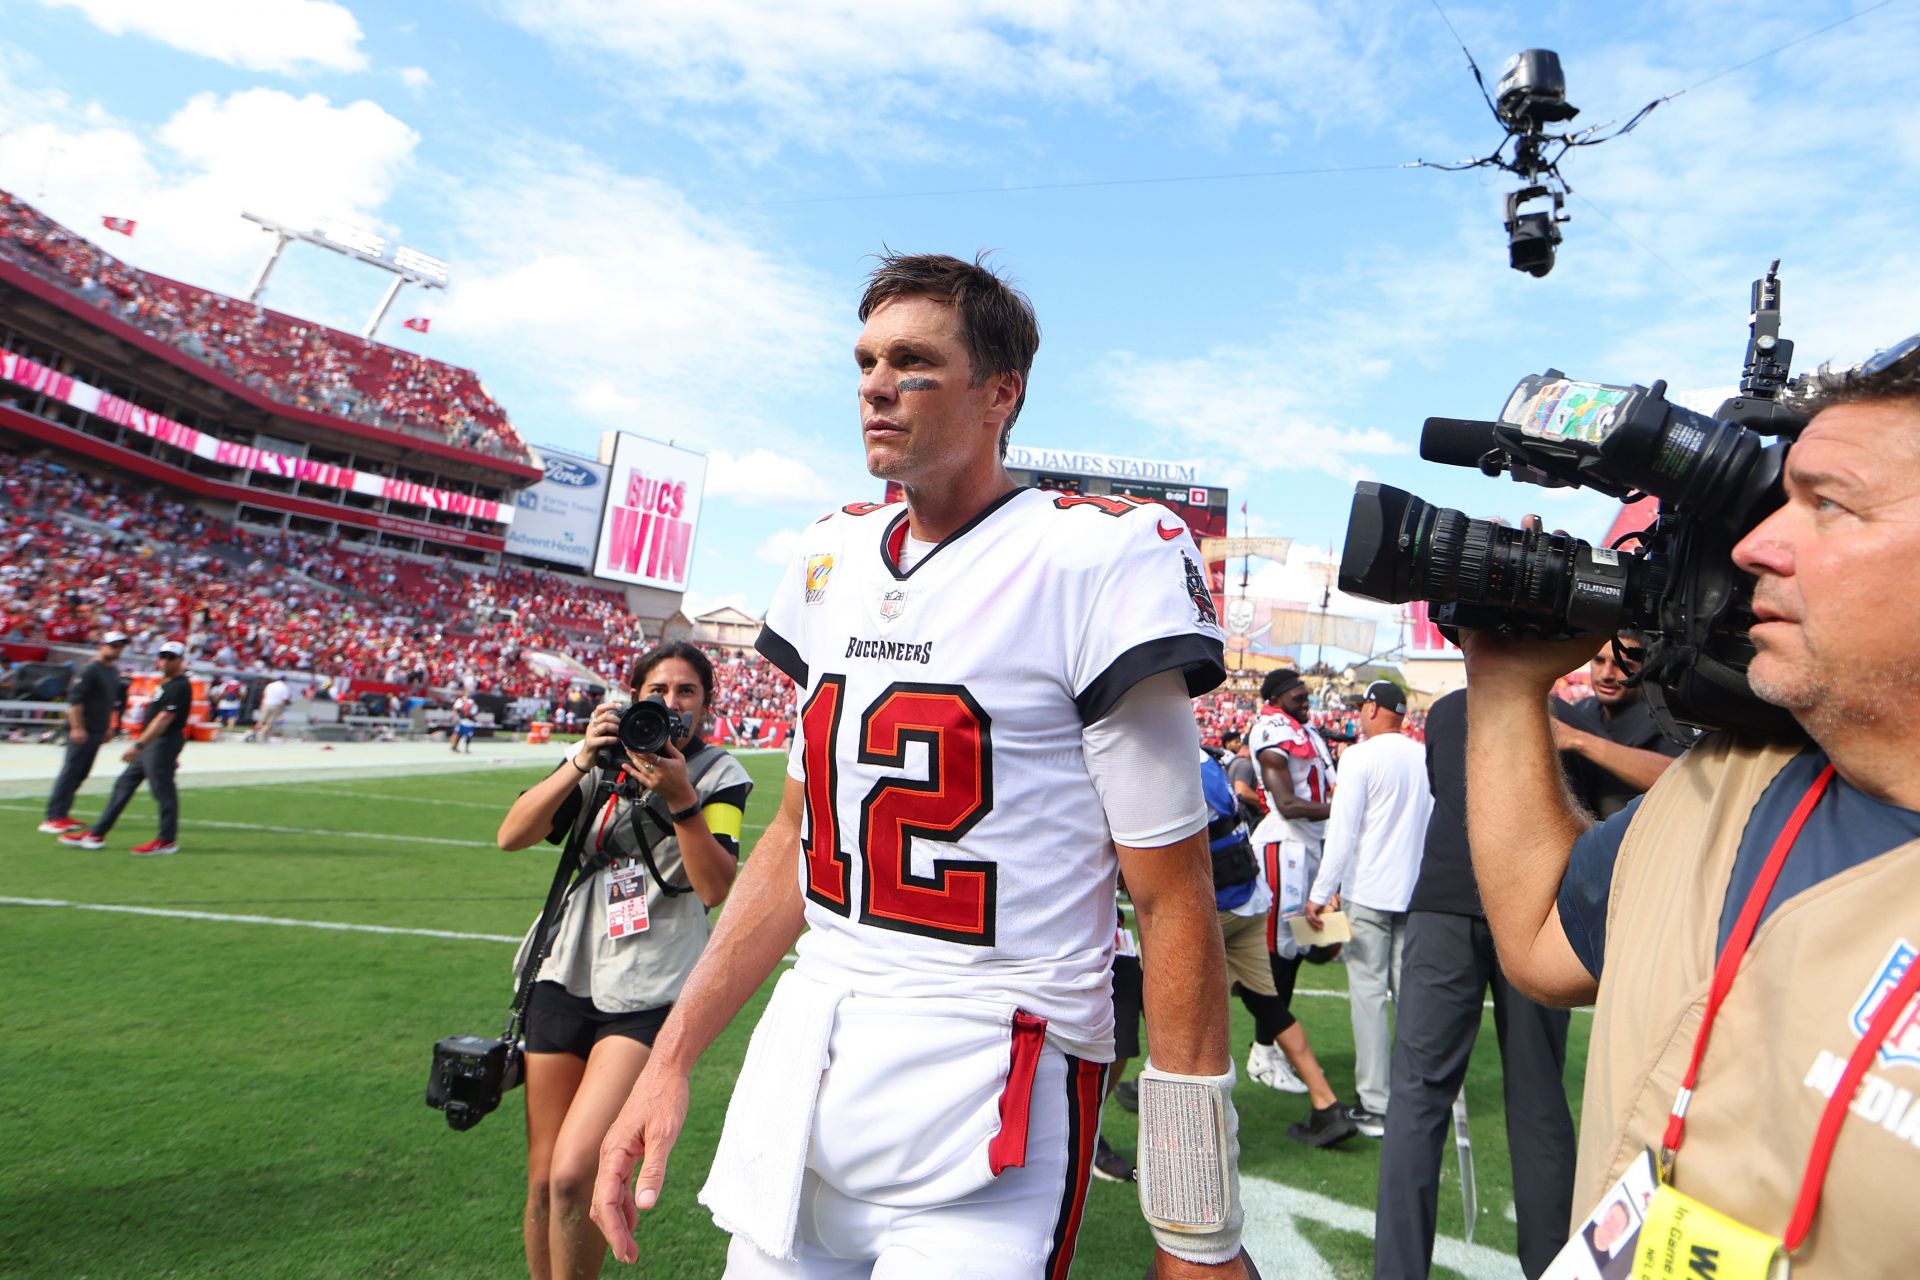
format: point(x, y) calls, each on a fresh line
point(653, 508)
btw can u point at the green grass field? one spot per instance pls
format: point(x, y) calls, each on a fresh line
point(194, 1097)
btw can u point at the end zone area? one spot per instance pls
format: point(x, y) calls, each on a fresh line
point(224, 1090)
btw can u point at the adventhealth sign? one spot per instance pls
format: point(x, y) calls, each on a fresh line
point(1100, 464)
point(558, 516)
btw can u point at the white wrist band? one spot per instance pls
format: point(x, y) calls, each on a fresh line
point(1189, 1164)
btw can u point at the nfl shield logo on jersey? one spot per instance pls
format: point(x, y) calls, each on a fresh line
point(893, 604)
point(1903, 1042)
point(819, 569)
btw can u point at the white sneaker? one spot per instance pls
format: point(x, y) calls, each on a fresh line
point(1269, 1066)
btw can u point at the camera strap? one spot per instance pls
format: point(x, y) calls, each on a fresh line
point(697, 768)
point(557, 893)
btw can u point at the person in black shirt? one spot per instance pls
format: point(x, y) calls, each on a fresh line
point(152, 759)
point(1611, 751)
point(1609, 744)
point(93, 699)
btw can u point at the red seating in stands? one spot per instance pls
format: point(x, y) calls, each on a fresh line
point(308, 366)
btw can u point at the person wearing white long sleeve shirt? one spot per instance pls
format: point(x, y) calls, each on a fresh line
point(1375, 834)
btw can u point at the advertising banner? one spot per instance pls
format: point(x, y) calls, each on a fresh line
point(22, 371)
point(653, 509)
point(558, 518)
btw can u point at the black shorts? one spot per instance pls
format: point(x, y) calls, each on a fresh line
point(1126, 1006)
point(559, 1022)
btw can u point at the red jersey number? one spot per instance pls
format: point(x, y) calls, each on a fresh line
point(955, 901)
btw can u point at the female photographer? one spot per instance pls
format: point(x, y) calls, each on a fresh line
point(665, 837)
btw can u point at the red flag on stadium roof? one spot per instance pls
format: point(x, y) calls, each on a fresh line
point(123, 225)
point(418, 324)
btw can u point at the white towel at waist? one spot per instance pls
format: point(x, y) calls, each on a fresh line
point(753, 1188)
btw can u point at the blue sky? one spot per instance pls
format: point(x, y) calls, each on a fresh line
point(658, 215)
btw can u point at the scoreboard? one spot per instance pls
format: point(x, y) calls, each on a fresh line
point(1174, 485)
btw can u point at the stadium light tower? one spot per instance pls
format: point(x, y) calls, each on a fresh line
point(407, 266)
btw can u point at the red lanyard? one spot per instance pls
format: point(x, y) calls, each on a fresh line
point(1723, 975)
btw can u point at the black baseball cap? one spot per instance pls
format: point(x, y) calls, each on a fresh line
point(1388, 696)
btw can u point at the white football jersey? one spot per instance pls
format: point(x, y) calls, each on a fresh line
point(1309, 763)
point(953, 841)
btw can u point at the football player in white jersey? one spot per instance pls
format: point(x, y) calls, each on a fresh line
point(921, 1097)
point(1296, 773)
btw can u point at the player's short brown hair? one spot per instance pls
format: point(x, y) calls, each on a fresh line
point(996, 320)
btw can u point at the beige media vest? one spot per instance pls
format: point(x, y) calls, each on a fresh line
point(1781, 1037)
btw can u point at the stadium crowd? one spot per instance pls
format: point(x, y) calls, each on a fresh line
point(307, 366)
point(78, 554)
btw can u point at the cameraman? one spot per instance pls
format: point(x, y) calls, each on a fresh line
point(665, 843)
point(1641, 909)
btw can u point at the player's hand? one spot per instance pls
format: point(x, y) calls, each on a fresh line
point(643, 1134)
point(1314, 911)
point(665, 772)
point(131, 754)
point(78, 737)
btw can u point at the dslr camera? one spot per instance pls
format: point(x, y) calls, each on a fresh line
point(646, 726)
point(1715, 478)
point(468, 1076)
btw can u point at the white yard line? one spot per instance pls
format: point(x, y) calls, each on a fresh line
point(494, 807)
point(307, 831)
point(220, 918)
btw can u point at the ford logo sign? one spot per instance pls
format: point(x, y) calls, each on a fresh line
point(571, 474)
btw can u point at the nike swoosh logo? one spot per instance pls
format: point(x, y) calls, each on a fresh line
point(1166, 534)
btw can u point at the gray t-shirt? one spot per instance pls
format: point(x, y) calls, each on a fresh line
point(645, 969)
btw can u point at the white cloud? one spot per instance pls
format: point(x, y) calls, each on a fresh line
point(780, 547)
point(297, 159)
point(839, 74)
point(1287, 401)
point(638, 309)
point(696, 604)
point(417, 79)
point(259, 35)
point(762, 477)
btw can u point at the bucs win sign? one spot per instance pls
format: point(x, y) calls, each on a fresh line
point(653, 508)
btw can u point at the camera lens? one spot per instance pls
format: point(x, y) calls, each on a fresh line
point(647, 726)
point(1400, 548)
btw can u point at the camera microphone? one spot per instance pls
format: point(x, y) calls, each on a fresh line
point(1457, 442)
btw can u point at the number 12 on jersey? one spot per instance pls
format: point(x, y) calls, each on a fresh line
point(956, 901)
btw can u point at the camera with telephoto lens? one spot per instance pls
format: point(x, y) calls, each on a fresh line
point(1715, 478)
point(645, 727)
point(468, 1076)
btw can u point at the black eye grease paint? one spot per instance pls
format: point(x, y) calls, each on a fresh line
point(916, 384)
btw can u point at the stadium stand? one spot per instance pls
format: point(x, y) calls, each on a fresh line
point(80, 553)
point(303, 365)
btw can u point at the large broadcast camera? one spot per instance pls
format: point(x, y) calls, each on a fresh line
point(1715, 479)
